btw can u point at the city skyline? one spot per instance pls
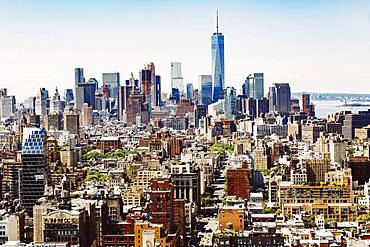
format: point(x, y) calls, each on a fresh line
point(277, 38)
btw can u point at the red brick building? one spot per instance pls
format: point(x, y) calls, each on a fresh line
point(175, 147)
point(161, 204)
point(107, 144)
point(183, 107)
point(119, 234)
point(238, 183)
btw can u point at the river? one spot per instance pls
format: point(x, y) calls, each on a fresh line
point(326, 107)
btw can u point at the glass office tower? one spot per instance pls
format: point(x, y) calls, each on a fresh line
point(218, 64)
point(112, 80)
point(205, 85)
point(79, 76)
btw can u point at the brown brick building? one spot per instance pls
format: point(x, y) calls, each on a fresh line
point(107, 144)
point(183, 107)
point(238, 183)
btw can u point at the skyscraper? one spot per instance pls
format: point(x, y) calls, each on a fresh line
point(79, 76)
point(154, 87)
point(189, 90)
point(218, 64)
point(230, 102)
point(112, 81)
point(41, 102)
point(175, 95)
point(68, 95)
point(124, 93)
point(259, 85)
point(33, 172)
point(307, 107)
point(72, 121)
point(200, 111)
point(158, 91)
point(280, 98)
point(147, 80)
point(85, 93)
point(86, 115)
point(254, 86)
point(245, 87)
point(205, 86)
point(7, 104)
point(176, 77)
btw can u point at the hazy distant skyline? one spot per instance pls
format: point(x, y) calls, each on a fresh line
point(315, 45)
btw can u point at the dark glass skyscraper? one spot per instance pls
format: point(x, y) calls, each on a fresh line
point(218, 64)
point(189, 90)
point(68, 95)
point(34, 171)
point(280, 98)
point(158, 90)
point(79, 76)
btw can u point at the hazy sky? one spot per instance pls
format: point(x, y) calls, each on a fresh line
point(315, 45)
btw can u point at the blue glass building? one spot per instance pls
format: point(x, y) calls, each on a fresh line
point(79, 76)
point(158, 90)
point(205, 82)
point(218, 64)
point(175, 95)
point(189, 91)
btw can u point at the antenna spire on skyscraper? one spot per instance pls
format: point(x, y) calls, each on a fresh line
point(217, 21)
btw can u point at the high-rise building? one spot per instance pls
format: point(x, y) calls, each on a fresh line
point(57, 105)
point(218, 64)
point(7, 104)
point(252, 107)
point(53, 121)
point(124, 92)
point(86, 115)
point(161, 203)
point(85, 93)
point(230, 102)
point(33, 172)
point(10, 178)
point(262, 106)
point(41, 102)
point(238, 183)
point(112, 80)
point(280, 98)
point(189, 90)
point(71, 121)
point(256, 86)
point(316, 169)
point(305, 102)
point(306, 106)
point(79, 76)
point(205, 86)
point(245, 87)
point(175, 95)
point(154, 86)
point(176, 77)
point(146, 84)
point(184, 107)
point(68, 95)
point(158, 91)
point(137, 110)
point(200, 111)
point(355, 121)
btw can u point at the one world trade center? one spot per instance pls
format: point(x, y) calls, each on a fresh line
point(218, 64)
